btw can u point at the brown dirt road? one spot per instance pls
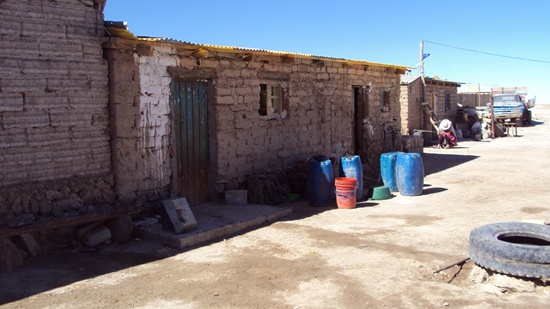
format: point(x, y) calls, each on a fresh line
point(381, 254)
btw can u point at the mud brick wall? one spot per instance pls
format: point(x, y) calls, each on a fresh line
point(475, 99)
point(319, 112)
point(141, 125)
point(412, 112)
point(413, 144)
point(54, 121)
point(413, 116)
point(439, 107)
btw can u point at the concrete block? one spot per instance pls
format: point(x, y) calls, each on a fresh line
point(236, 197)
point(96, 236)
point(178, 216)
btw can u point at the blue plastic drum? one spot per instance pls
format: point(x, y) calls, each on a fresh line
point(387, 170)
point(320, 181)
point(409, 172)
point(350, 166)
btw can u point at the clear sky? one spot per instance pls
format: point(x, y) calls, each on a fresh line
point(386, 31)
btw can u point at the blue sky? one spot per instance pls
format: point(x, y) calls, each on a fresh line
point(386, 31)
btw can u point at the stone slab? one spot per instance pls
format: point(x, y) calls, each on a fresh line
point(215, 221)
point(180, 215)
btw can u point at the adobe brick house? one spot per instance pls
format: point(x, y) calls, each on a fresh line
point(195, 120)
point(441, 96)
point(89, 121)
point(55, 156)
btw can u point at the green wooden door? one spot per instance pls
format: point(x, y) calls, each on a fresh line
point(191, 129)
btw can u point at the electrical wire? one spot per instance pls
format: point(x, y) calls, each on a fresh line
point(486, 53)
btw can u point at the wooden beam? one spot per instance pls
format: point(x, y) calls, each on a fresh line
point(56, 223)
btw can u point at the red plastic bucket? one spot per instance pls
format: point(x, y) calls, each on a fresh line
point(346, 197)
point(345, 182)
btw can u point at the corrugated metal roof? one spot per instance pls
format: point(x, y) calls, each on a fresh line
point(114, 30)
point(407, 79)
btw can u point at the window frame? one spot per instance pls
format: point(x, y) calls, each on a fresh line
point(385, 100)
point(447, 102)
point(267, 97)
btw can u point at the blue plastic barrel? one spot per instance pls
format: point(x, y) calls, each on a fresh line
point(320, 181)
point(409, 172)
point(387, 169)
point(350, 166)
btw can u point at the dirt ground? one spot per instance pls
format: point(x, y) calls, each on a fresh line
point(381, 254)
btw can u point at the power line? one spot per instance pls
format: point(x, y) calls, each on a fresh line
point(486, 53)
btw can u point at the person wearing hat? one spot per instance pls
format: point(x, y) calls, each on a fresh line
point(447, 134)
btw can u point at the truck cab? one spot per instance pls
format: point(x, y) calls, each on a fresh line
point(510, 108)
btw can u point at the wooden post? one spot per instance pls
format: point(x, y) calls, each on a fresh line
point(492, 118)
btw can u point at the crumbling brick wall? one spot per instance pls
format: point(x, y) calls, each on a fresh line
point(140, 109)
point(319, 110)
point(473, 99)
point(54, 122)
point(439, 90)
point(413, 115)
point(412, 112)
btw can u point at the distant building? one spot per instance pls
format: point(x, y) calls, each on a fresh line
point(441, 98)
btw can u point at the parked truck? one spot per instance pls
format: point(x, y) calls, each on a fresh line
point(511, 105)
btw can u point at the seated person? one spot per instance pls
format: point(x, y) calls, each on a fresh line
point(447, 134)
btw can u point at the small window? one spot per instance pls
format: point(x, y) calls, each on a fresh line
point(270, 99)
point(385, 100)
point(447, 102)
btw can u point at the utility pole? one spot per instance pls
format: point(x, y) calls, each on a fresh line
point(421, 67)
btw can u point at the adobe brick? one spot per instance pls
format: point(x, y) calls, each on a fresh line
point(10, 27)
point(26, 119)
point(11, 102)
point(60, 50)
point(15, 137)
point(23, 47)
point(47, 136)
point(20, 83)
point(43, 29)
point(69, 118)
point(45, 100)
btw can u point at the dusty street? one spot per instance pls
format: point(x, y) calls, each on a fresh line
point(381, 254)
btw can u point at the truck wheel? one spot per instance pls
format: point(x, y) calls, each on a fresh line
point(513, 248)
point(529, 118)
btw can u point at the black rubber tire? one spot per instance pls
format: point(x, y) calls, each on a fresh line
point(528, 118)
point(397, 143)
point(374, 150)
point(512, 256)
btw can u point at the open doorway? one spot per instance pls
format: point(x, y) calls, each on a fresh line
point(361, 111)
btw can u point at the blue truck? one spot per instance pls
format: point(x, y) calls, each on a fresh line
point(511, 107)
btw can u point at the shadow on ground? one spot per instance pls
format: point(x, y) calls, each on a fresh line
point(61, 267)
point(437, 162)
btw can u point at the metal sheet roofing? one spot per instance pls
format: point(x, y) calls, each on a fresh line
point(120, 29)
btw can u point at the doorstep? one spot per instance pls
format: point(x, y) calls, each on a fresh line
point(215, 221)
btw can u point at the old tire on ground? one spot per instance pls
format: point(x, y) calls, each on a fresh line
point(528, 117)
point(513, 248)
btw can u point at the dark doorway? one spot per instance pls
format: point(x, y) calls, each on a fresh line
point(361, 111)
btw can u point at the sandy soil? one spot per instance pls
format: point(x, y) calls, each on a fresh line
point(381, 254)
